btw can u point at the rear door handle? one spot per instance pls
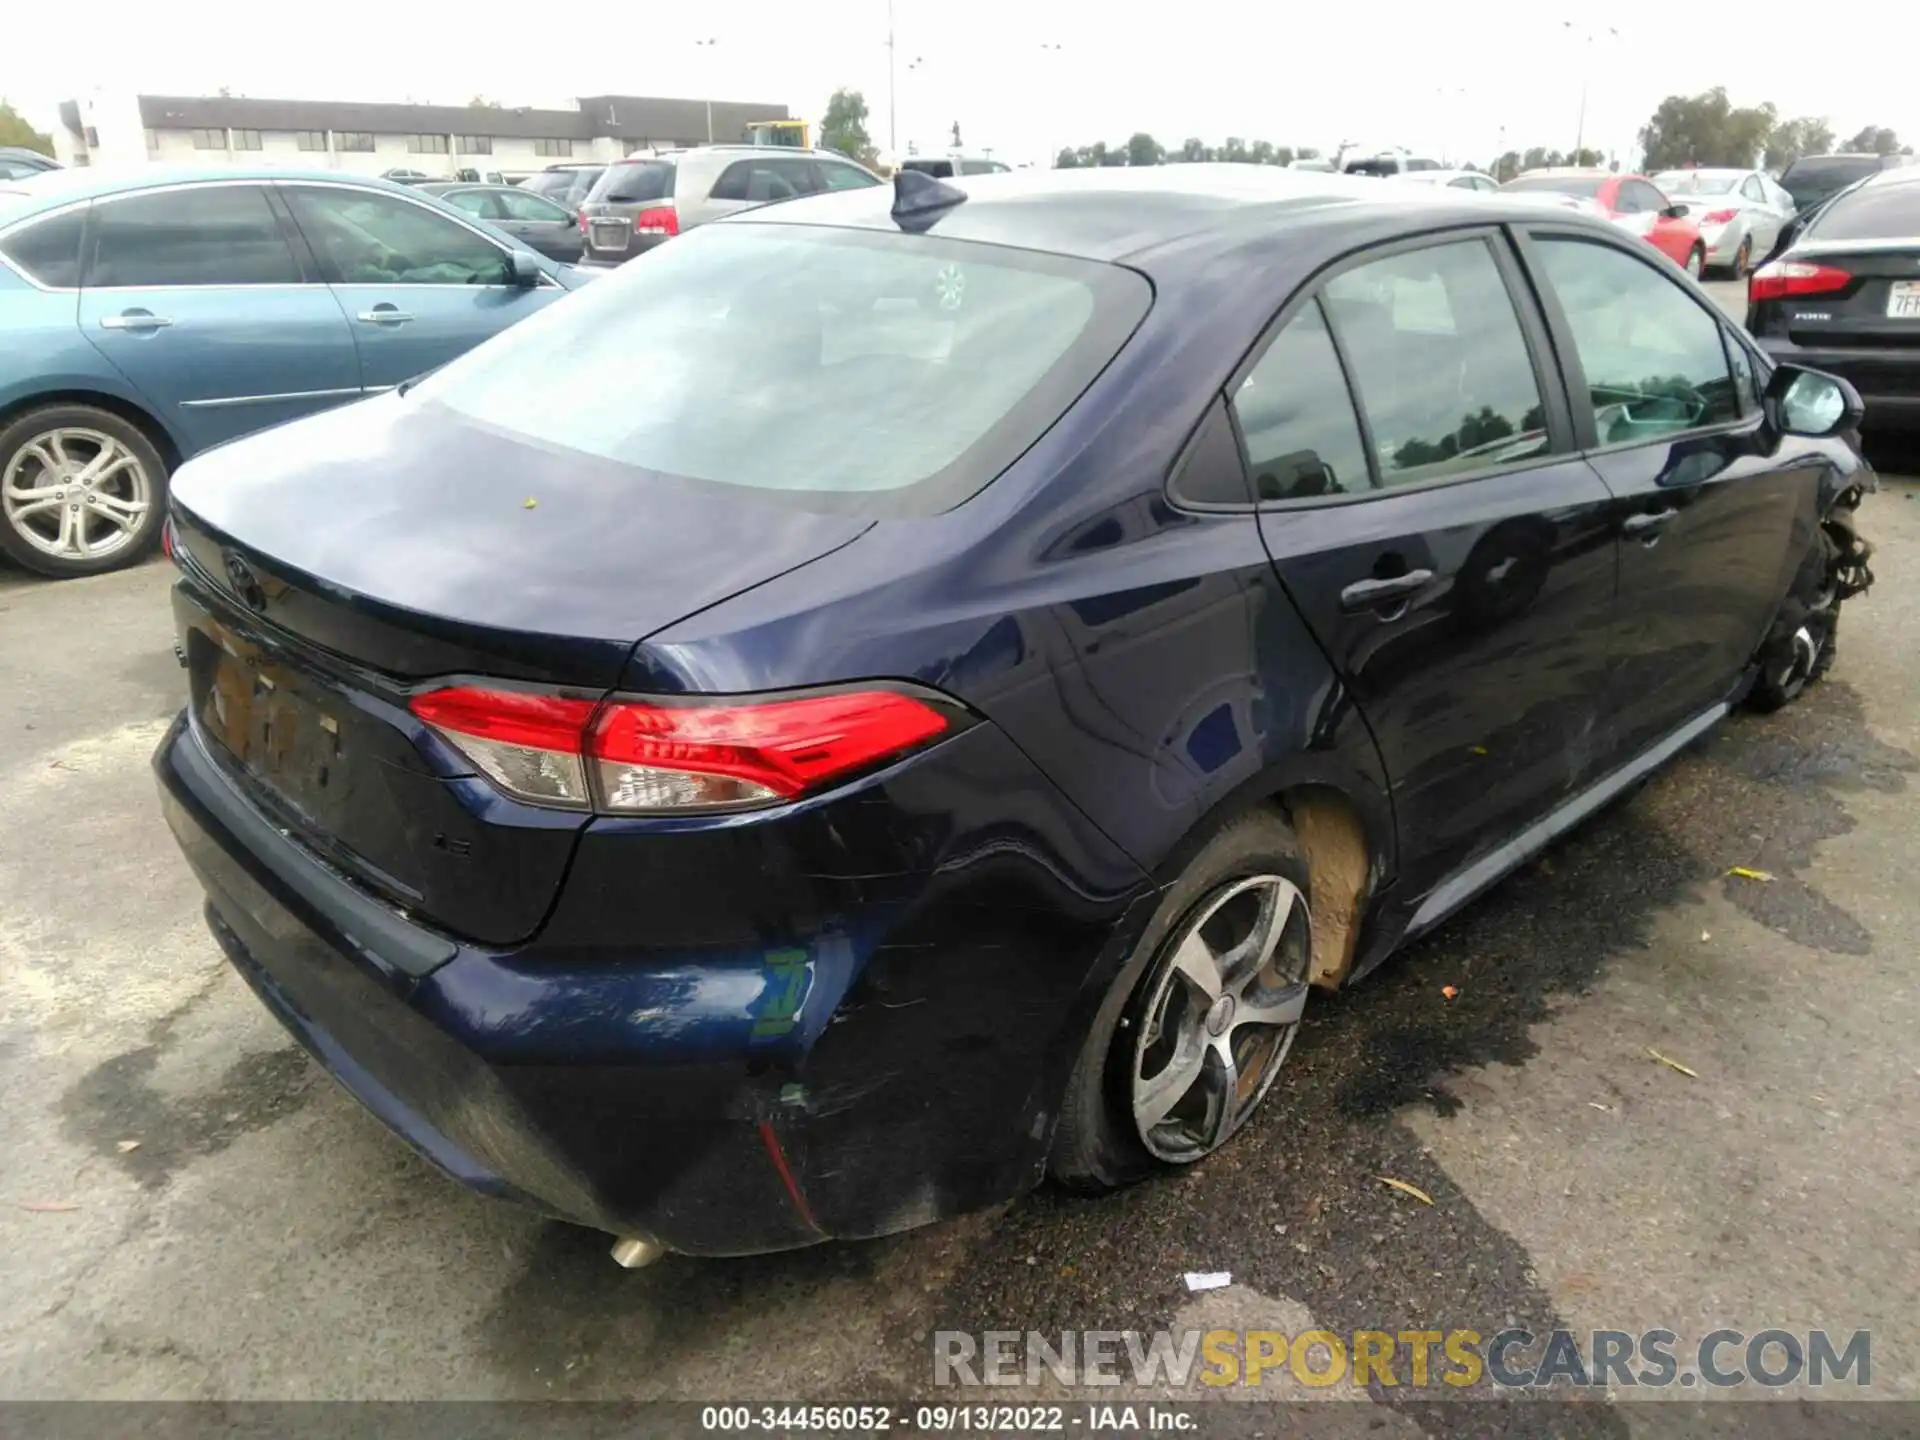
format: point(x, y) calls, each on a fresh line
point(384, 315)
point(1368, 594)
point(1648, 521)
point(134, 320)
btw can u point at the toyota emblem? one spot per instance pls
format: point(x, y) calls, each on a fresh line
point(245, 584)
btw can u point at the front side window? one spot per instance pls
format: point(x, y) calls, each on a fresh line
point(1441, 365)
point(1750, 187)
point(1297, 418)
point(514, 205)
point(202, 235)
point(363, 238)
point(1654, 361)
point(741, 355)
point(48, 251)
point(476, 202)
point(1645, 199)
point(844, 177)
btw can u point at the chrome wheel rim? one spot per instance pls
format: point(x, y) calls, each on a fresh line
point(1694, 264)
point(1230, 987)
point(75, 493)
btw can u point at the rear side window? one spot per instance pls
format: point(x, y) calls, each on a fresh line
point(206, 235)
point(844, 177)
point(939, 169)
point(868, 372)
point(634, 182)
point(1297, 417)
point(761, 181)
point(49, 251)
point(1443, 371)
point(1654, 360)
point(1878, 211)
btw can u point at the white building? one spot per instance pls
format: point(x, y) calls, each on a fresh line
point(119, 130)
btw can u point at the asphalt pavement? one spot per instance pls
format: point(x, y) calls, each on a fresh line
point(190, 1210)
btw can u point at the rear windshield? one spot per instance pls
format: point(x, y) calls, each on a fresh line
point(849, 370)
point(1810, 181)
point(633, 182)
point(1587, 187)
point(1698, 182)
point(1873, 212)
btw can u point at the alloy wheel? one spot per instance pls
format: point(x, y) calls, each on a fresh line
point(1230, 988)
point(75, 493)
point(1696, 262)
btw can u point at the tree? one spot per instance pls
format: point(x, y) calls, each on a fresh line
point(480, 102)
point(1507, 166)
point(1067, 159)
point(1705, 129)
point(1192, 151)
point(1793, 138)
point(1234, 152)
point(14, 130)
point(844, 126)
point(1143, 149)
point(1306, 152)
point(1874, 140)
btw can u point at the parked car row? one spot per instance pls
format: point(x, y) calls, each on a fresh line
point(149, 316)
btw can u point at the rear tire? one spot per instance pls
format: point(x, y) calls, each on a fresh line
point(82, 491)
point(1805, 637)
point(1157, 1033)
point(1696, 261)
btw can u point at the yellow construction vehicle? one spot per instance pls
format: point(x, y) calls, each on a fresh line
point(793, 134)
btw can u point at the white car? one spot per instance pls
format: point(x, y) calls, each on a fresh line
point(1452, 179)
point(1740, 213)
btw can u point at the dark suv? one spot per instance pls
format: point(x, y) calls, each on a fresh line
point(646, 199)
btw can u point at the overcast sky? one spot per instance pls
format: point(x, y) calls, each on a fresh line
point(1436, 79)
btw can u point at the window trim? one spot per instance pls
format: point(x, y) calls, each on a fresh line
point(1573, 373)
point(1555, 410)
point(296, 243)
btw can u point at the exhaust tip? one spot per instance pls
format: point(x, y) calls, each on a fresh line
point(634, 1252)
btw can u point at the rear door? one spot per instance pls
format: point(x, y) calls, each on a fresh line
point(1712, 514)
point(196, 294)
point(418, 287)
point(1423, 505)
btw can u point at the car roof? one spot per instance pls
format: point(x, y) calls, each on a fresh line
point(1131, 214)
point(53, 188)
point(1428, 177)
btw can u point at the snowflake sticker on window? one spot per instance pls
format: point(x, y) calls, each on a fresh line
point(951, 286)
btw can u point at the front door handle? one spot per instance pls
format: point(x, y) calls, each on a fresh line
point(384, 315)
point(1370, 594)
point(134, 320)
point(1649, 521)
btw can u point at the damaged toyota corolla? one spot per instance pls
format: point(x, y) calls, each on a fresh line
point(907, 692)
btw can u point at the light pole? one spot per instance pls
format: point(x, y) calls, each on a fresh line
point(708, 45)
point(1586, 71)
point(1052, 48)
point(893, 138)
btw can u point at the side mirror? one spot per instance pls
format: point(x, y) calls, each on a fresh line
point(1811, 403)
point(1677, 211)
point(526, 269)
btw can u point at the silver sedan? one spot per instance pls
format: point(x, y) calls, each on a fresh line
point(1740, 213)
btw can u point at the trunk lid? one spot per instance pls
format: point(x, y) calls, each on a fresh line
point(1879, 309)
point(334, 565)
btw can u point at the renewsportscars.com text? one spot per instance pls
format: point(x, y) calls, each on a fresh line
point(1509, 1359)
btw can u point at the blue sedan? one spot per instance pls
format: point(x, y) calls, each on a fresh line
point(145, 317)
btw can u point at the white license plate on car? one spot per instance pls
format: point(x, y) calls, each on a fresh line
point(1903, 300)
point(610, 237)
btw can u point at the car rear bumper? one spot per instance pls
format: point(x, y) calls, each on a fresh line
point(1888, 379)
point(879, 1072)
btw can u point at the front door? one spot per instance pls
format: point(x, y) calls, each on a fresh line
point(1712, 514)
point(194, 293)
point(1425, 510)
point(418, 286)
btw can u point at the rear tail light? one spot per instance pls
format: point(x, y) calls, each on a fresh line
point(649, 757)
point(1718, 217)
point(1784, 278)
point(166, 538)
point(657, 220)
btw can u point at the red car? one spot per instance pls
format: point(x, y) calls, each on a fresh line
point(1632, 202)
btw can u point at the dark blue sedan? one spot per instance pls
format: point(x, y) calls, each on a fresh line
point(903, 693)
